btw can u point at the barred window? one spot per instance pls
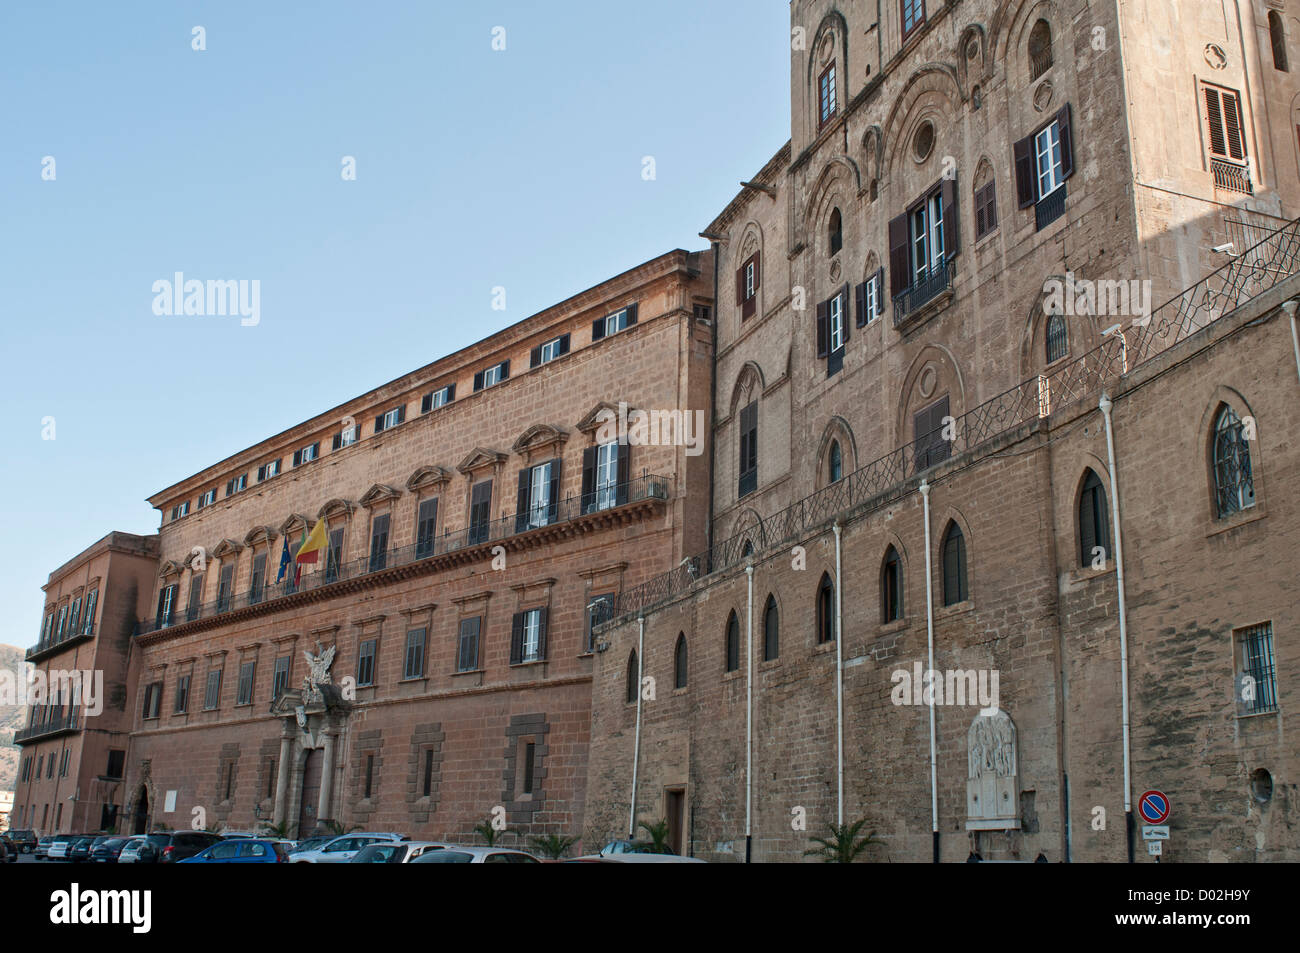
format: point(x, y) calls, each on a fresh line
point(1058, 339)
point(1257, 679)
point(1234, 486)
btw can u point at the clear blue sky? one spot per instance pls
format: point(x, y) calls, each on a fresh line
point(475, 168)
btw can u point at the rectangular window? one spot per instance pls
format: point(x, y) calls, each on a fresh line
point(1256, 670)
point(414, 654)
point(438, 398)
point(1044, 160)
point(1047, 151)
point(545, 353)
point(268, 470)
point(74, 617)
point(370, 775)
point(606, 475)
point(212, 692)
point(63, 618)
point(747, 284)
point(225, 583)
point(257, 583)
point(619, 320)
point(196, 598)
point(306, 454)
point(280, 676)
point(89, 625)
point(428, 774)
point(182, 695)
point(926, 234)
point(236, 484)
point(116, 762)
point(379, 542)
point(152, 699)
point(246, 675)
point(366, 663)
point(748, 449)
point(930, 447)
point(334, 555)
point(837, 323)
point(166, 597)
point(467, 647)
point(390, 419)
point(181, 509)
point(600, 609)
point(872, 294)
point(540, 504)
point(426, 527)
point(480, 512)
point(346, 437)
point(530, 760)
point(986, 210)
point(913, 16)
point(1223, 122)
point(826, 96)
point(528, 636)
point(208, 498)
point(492, 375)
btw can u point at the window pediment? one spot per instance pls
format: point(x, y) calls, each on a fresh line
point(336, 507)
point(426, 477)
point(539, 436)
point(379, 493)
point(295, 521)
point(598, 415)
point(168, 569)
point(227, 547)
point(260, 534)
point(479, 458)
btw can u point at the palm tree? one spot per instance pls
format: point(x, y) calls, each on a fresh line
point(278, 831)
point(553, 846)
point(490, 833)
point(844, 845)
point(658, 832)
point(336, 828)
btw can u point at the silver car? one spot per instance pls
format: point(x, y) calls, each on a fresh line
point(341, 849)
point(476, 855)
point(131, 851)
point(395, 852)
point(60, 846)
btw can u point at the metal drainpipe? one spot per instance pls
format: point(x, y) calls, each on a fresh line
point(1105, 406)
point(749, 710)
point(636, 745)
point(839, 679)
point(1289, 308)
point(929, 637)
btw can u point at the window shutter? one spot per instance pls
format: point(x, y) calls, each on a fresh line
point(740, 285)
point(517, 639)
point(624, 473)
point(844, 311)
point(1087, 531)
point(334, 445)
point(588, 477)
point(297, 457)
point(535, 356)
point(505, 369)
point(860, 304)
point(898, 276)
point(823, 321)
point(521, 508)
point(631, 314)
point(597, 329)
point(757, 277)
point(401, 414)
point(541, 633)
point(478, 381)
point(553, 509)
point(1026, 183)
point(1232, 126)
point(379, 423)
point(563, 347)
point(1214, 122)
point(951, 234)
point(1067, 144)
point(451, 393)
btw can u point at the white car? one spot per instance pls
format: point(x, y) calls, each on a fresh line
point(455, 854)
point(341, 849)
point(396, 852)
point(639, 859)
point(131, 851)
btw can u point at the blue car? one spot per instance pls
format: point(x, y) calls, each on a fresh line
point(243, 850)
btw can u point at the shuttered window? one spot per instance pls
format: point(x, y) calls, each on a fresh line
point(605, 470)
point(771, 631)
point(1094, 526)
point(747, 283)
point(528, 636)
point(929, 445)
point(955, 587)
point(414, 665)
point(986, 210)
point(467, 649)
point(334, 555)
point(426, 527)
point(379, 542)
point(480, 516)
point(748, 449)
point(257, 582)
point(366, 663)
point(544, 353)
point(246, 674)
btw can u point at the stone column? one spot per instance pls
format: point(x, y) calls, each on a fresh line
point(326, 778)
point(282, 778)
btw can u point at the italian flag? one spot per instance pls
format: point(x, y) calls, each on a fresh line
point(312, 544)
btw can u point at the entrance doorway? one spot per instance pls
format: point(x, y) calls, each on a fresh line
point(311, 778)
point(141, 812)
point(675, 802)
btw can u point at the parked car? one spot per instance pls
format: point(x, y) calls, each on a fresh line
point(60, 846)
point(341, 849)
point(631, 847)
point(395, 852)
point(8, 852)
point(242, 850)
point(475, 855)
point(43, 847)
point(105, 850)
point(167, 847)
point(635, 858)
point(130, 852)
point(24, 840)
point(310, 843)
point(79, 851)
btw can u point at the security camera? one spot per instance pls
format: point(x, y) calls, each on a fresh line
point(1225, 249)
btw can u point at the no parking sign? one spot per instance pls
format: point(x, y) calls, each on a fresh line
point(1154, 807)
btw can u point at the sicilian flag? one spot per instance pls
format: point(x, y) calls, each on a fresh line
point(286, 559)
point(312, 544)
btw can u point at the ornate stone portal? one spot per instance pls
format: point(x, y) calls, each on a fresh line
point(992, 780)
point(315, 718)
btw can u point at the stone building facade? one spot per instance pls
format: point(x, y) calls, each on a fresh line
point(965, 243)
point(73, 761)
point(434, 664)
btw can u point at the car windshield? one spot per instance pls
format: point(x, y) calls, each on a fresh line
point(158, 840)
point(444, 857)
point(311, 843)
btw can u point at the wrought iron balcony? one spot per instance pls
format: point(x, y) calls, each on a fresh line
point(909, 303)
point(69, 638)
point(1231, 177)
point(484, 534)
point(43, 727)
point(1049, 208)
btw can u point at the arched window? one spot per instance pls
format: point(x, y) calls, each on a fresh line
point(1094, 526)
point(748, 550)
point(836, 232)
point(1234, 487)
point(976, 99)
point(891, 587)
point(733, 642)
point(679, 662)
point(825, 610)
point(955, 586)
point(836, 461)
point(1040, 49)
point(1277, 33)
point(633, 678)
point(771, 630)
point(1058, 339)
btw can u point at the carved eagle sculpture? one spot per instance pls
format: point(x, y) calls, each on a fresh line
point(318, 665)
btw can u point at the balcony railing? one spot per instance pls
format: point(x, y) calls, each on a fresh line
point(52, 726)
point(69, 636)
point(888, 478)
point(1040, 64)
point(645, 487)
point(924, 291)
point(1049, 208)
point(1230, 177)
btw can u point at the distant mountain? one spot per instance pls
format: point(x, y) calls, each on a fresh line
point(12, 717)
